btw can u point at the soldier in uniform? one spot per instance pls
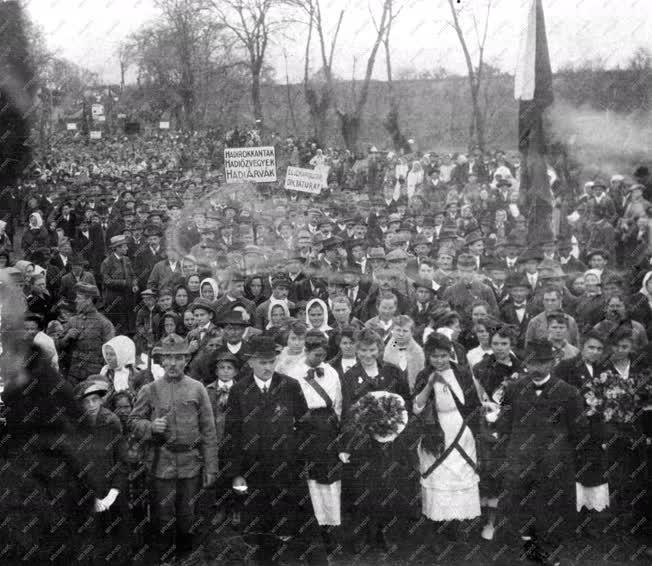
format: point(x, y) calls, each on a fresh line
point(174, 413)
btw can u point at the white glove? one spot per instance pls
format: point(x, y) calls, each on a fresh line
point(99, 506)
point(111, 497)
point(344, 457)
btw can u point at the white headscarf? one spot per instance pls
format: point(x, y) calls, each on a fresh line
point(39, 220)
point(324, 327)
point(125, 351)
point(213, 284)
point(276, 303)
point(644, 290)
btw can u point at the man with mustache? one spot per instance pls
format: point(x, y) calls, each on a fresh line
point(542, 423)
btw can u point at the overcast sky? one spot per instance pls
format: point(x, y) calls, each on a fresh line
point(88, 32)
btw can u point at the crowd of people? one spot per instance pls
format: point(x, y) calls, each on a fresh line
point(218, 338)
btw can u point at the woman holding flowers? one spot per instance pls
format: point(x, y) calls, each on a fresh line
point(447, 401)
point(591, 484)
point(375, 471)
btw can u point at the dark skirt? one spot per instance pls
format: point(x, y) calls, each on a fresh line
point(381, 480)
point(491, 461)
point(592, 458)
point(321, 460)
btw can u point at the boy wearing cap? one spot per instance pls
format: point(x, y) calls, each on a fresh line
point(542, 422)
point(174, 413)
point(204, 314)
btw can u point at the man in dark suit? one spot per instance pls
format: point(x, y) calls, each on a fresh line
point(512, 252)
point(67, 221)
point(516, 310)
point(355, 290)
point(58, 266)
point(120, 287)
point(542, 423)
point(149, 256)
point(569, 263)
point(265, 427)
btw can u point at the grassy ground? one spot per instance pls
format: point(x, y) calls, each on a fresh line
point(410, 544)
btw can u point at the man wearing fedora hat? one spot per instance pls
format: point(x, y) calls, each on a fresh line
point(149, 255)
point(120, 286)
point(542, 422)
point(469, 288)
point(175, 415)
point(87, 331)
point(265, 425)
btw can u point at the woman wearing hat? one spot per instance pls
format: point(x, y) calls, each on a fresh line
point(447, 403)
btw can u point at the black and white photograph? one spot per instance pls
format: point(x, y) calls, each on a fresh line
point(325, 282)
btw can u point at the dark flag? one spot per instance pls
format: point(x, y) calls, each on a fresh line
point(533, 90)
point(17, 94)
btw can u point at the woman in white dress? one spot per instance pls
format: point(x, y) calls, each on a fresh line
point(322, 389)
point(447, 402)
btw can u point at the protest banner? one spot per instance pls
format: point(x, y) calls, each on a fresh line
point(256, 164)
point(97, 110)
point(71, 126)
point(101, 118)
point(96, 135)
point(304, 180)
point(164, 125)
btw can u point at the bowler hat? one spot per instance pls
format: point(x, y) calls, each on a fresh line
point(600, 252)
point(234, 318)
point(87, 289)
point(332, 242)
point(516, 280)
point(531, 254)
point(262, 347)
point(539, 351)
point(423, 284)
point(376, 253)
point(153, 230)
point(118, 241)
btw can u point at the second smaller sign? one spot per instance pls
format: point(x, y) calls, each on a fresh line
point(305, 180)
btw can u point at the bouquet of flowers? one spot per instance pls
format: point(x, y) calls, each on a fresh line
point(615, 399)
point(380, 414)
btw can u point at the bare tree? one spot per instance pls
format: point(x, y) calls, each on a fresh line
point(125, 53)
point(475, 72)
point(392, 122)
point(319, 93)
point(351, 120)
point(253, 25)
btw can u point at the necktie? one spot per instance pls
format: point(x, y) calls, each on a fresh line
point(265, 389)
